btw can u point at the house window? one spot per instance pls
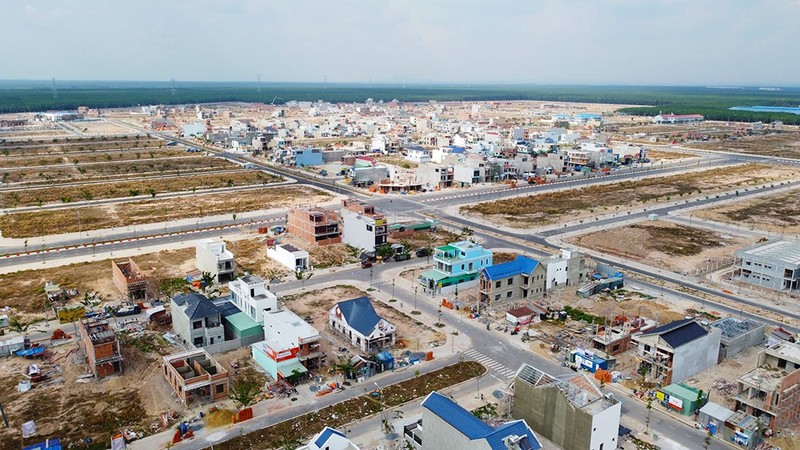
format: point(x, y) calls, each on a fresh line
point(220, 388)
point(369, 227)
point(497, 297)
point(197, 324)
point(497, 284)
point(508, 294)
point(198, 341)
point(510, 281)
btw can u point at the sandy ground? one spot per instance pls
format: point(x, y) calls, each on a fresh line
point(664, 244)
point(778, 213)
point(101, 128)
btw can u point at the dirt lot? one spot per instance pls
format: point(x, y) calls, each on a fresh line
point(101, 128)
point(551, 207)
point(782, 145)
point(656, 155)
point(427, 239)
point(663, 244)
point(24, 291)
point(28, 224)
point(13, 161)
point(315, 304)
point(121, 189)
point(101, 171)
point(73, 144)
point(777, 212)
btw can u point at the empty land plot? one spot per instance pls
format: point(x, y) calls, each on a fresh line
point(69, 145)
point(667, 155)
point(552, 207)
point(777, 212)
point(149, 186)
point(23, 291)
point(129, 169)
point(29, 224)
point(663, 244)
point(781, 145)
point(13, 161)
point(101, 128)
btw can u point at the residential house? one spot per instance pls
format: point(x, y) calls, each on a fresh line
point(358, 322)
point(675, 351)
point(520, 279)
point(307, 157)
point(363, 227)
point(774, 265)
point(738, 335)
point(196, 376)
point(571, 412)
point(315, 225)
point(417, 154)
point(615, 338)
point(568, 268)
point(128, 279)
point(435, 176)
point(196, 320)
point(771, 391)
point(290, 347)
point(329, 439)
point(213, 257)
point(446, 425)
point(471, 172)
point(457, 263)
point(289, 256)
point(249, 293)
point(677, 118)
point(101, 347)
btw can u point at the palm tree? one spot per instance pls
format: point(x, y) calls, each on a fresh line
point(23, 326)
point(208, 280)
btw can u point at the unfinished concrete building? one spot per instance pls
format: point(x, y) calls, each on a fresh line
point(771, 391)
point(315, 225)
point(129, 280)
point(616, 338)
point(196, 377)
point(571, 412)
point(738, 335)
point(773, 265)
point(101, 347)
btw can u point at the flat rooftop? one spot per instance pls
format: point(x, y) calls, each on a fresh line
point(787, 252)
point(786, 350)
point(298, 326)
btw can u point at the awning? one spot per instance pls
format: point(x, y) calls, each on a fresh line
point(434, 274)
point(289, 369)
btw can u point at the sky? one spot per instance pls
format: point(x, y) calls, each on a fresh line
point(640, 42)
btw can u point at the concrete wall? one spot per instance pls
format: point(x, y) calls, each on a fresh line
point(355, 233)
point(696, 356)
point(605, 426)
point(742, 342)
point(233, 344)
point(548, 413)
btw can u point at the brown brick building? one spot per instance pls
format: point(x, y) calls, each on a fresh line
point(101, 347)
point(315, 225)
point(195, 376)
point(129, 280)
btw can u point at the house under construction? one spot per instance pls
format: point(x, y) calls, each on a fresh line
point(129, 280)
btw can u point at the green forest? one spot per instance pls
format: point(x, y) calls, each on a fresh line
point(710, 102)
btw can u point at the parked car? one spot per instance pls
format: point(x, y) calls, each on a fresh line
point(423, 252)
point(128, 311)
point(402, 257)
point(366, 264)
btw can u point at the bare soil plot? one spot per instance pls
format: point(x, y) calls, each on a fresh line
point(776, 212)
point(315, 304)
point(16, 161)
point(101, 128)
point(426, 239)
point(23, 291)
point(663, 244)
point(29, 224)
point(656, 155)
point(782, 145)
point(551, 207)
point(68, 194)
point(128, 169)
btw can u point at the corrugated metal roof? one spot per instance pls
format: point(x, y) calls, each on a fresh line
point(522, 264)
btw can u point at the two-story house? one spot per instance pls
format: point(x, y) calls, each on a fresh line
point(363, 228)
point(675, 351)
point(196, 320)
point(523, 278)
point(358, 322)
point(213, 257)
point(457, 264)
point(771, 391)
point(290, 347)
point(249, 293)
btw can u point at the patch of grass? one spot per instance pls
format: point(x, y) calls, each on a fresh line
point(580, 315)
point(680, 240)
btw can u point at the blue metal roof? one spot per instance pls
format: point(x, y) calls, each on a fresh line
point(326, 434)
point(457, 149)
point(522, 264)
point(458, 417)
point(679, 332)
point(473, 428)
point(359, 314)
point(50, 444)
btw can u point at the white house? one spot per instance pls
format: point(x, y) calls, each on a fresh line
point(358, 322)
point(363, 228)
point(417, 154)
point(290, 256)
point(213, 257)
point(329, 439)
point(290, 345)
point(251, 296)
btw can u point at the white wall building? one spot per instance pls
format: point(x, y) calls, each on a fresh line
point(290, 257)
point(249, 293)
point(213, 257)
point(358, 322)
point(417, 154)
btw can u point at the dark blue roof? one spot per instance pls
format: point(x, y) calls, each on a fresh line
point(522, 264)
point(457, 149)
point(226, 308)
point(198, 306)
point(359, 314)
point(51, 444)
point(473, 428)
point(679, 332)
point(326, 434)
